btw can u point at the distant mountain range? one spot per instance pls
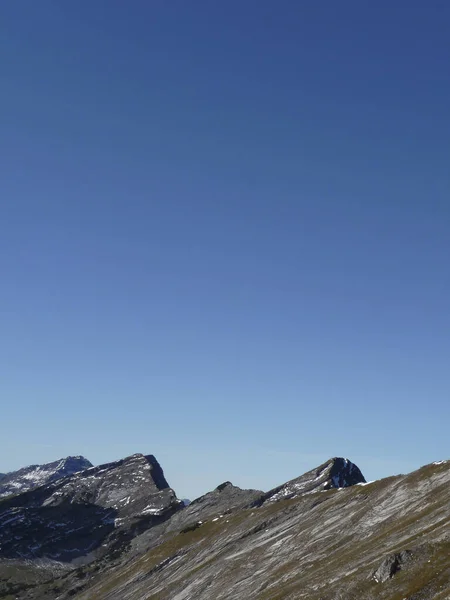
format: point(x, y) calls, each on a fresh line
point(69, 530)
point(30, 477)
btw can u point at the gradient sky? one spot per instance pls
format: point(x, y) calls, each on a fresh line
point(225, 235)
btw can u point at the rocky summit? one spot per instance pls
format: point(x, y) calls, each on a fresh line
point(335, 473)
point(30, 477)
point(118, 532)
point(87, 514)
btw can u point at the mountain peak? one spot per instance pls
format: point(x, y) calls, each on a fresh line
point(223, 486)
point(344, 473)
point(33, 476)
point(88, 512)
point(336, 472)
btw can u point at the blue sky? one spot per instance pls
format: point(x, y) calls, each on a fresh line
point(224, 235)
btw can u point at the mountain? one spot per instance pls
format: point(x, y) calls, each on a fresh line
point(88, 514)
point(335, 473)
point(225, 499)
point(33, 476)
point(326, 535)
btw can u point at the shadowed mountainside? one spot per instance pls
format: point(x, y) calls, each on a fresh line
point(87, 514)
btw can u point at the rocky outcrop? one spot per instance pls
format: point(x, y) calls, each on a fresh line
point(33, 476)
point(86, 514)
point(335, 473)
point(392, 565)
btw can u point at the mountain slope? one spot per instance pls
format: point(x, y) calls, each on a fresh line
point(88, 514)
point(33, 476)
point(385, 540)
point(225, 499)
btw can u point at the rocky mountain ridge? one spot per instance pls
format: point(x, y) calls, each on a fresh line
point(27, 478)
point(120, 533)
point(82, 516)
point(335, 473)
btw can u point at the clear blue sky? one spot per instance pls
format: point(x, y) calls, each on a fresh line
point(225, 235)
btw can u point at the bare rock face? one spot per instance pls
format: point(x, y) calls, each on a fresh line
point(335, 473)
point(33, 476)
point(88, 512)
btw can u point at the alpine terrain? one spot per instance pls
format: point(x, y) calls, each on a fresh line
point(119, 532)
point(29, 477)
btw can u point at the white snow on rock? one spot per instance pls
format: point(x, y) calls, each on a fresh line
point(34, 476)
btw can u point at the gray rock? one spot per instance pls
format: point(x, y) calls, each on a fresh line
point(87, 514)
point(391, 565)
point(33, 476)
point(335, 473)
point(226, 498)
